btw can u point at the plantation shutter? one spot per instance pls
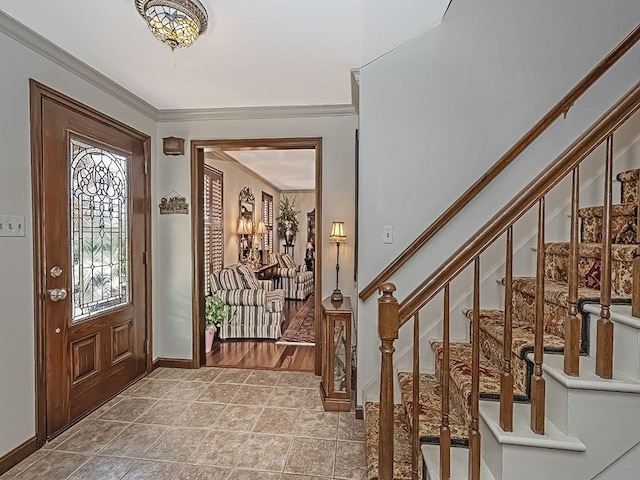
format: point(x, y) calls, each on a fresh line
point(267, 218)
point(213, 231)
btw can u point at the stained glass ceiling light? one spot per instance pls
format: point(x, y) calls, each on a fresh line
point(178, 23)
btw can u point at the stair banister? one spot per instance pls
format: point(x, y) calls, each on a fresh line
point(604, 334)
point(561, 108)
point(521, 203)
point(506, 377)
point(635, 301)
point(388, 326)
point(415, 398)
point(573, 323)
point(474, 428)
point(538, 388)
point(445, 431)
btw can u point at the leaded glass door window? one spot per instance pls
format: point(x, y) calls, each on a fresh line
point(99, 226)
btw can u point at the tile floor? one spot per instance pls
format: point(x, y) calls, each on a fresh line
point(207, 424)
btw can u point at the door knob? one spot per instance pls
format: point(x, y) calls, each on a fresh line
point(57, 294)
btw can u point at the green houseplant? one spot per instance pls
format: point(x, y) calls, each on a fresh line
point(216, 311)
point(288, 220)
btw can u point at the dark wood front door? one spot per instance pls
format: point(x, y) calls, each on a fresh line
point(94, 214)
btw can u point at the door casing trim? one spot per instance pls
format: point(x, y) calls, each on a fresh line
point(37, 93)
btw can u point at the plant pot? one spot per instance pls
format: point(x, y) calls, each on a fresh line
point(209, 333)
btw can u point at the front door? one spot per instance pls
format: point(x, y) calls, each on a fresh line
point(94, 210)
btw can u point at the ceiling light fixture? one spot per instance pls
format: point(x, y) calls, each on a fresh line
point(178, 23)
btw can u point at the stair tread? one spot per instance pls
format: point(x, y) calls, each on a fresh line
point(459, 463)
point(523, 336)
point(617, 209)
point(620, 252)
point(401, 442)
point(557, 292)
point(460, 370)
point(588, 380)
point(430, 409)
point(522, 434)
point(628, 175)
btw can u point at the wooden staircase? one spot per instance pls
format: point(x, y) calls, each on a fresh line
point(531, 392)
point(520, 346)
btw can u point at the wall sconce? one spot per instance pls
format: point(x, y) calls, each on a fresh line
point(337, 236)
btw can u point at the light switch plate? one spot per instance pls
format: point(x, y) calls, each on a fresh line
point(387, 234)
point(11, 226)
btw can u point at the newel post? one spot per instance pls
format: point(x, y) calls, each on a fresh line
point(388, 324)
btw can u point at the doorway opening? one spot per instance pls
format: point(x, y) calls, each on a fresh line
point(254, 239)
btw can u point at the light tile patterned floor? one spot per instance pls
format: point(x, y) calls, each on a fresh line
point(207, 424)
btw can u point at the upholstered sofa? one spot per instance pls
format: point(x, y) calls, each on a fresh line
point(258, 307)
point(296, 282)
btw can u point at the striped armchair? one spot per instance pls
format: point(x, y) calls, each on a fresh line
point(258, 307)
point(296, 282)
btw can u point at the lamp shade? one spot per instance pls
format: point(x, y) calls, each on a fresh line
point(177, 23)
point(337, 233)
point(244, 227)
point(261, 228)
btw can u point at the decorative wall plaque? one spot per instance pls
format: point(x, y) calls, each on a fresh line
point(173, 203)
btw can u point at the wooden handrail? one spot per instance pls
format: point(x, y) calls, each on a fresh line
point(519, 205)
point(561, 108)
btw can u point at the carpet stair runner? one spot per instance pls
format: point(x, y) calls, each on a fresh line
point(624, 251)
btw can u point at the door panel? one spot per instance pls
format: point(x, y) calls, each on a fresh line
point(94, 209)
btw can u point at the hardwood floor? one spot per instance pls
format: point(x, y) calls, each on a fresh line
point(264, 354)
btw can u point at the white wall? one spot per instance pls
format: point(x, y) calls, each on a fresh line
point(172, 303)
point(438, 111)
point(17, 396)
point(235, 178)
point(305, 202)
point(388, 25)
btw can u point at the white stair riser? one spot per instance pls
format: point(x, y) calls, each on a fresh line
point(491, 450)
point(606, 422)
point(626, 346)
point(531, 463)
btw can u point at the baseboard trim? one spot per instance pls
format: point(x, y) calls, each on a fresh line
point(359, 412)
point(172, 363)
point(18, 454)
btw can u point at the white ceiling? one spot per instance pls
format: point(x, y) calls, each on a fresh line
point(285, 169)
point(255, 53)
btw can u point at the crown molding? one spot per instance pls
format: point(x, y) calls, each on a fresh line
point(49, 50)
point(256, 113)
point(32, 40)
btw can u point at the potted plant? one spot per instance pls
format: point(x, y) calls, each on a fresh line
point(288, 220)
point(216, 311)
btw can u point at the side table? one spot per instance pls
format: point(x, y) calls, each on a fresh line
point(335, 387)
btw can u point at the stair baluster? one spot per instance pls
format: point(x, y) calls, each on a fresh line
point(604, 347)
point(573, 323)
point(388, 325)
point(415, 431)
point(537, 381)
point(445, 432)
point(635, 295)
point(474, 429)
point(506, 377)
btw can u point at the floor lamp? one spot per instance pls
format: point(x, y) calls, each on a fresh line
point(337, 236)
